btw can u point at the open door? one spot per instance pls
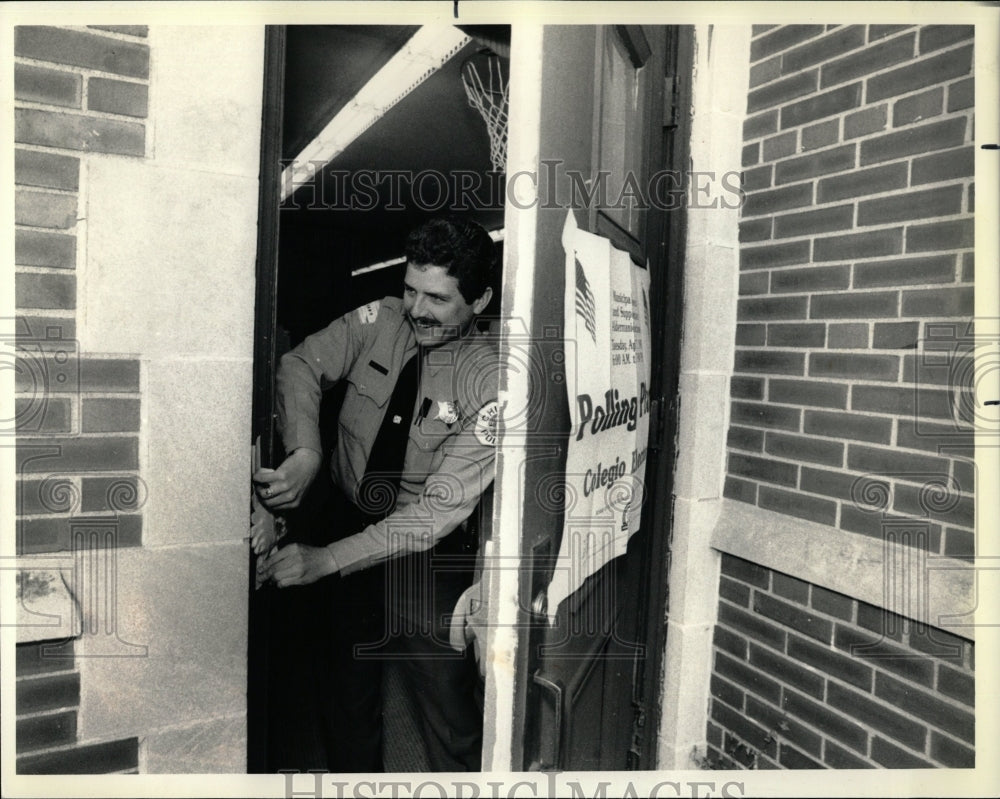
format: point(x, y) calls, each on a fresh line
point(587, 682)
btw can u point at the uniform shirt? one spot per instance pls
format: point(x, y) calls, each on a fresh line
point(450, 452)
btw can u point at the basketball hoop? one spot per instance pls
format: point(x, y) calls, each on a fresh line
point(487, 92)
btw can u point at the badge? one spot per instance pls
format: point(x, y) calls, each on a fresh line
point(447, 412)
point(486, 424)
point(368, 313)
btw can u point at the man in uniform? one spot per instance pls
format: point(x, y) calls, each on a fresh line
point(415, 451)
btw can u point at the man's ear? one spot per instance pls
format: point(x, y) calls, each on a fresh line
point(480, 305)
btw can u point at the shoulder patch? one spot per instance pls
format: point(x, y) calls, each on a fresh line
point(368, 313)
point(486, 424)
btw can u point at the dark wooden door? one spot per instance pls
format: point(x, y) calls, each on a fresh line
point(590, 680)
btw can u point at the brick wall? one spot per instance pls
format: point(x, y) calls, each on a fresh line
point(78, 91)
point(804, 677)
point(850, 403)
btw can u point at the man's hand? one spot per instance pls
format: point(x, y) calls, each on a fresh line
point(296, 564)
point(284, 487)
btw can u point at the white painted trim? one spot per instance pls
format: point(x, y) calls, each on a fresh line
point(932, 589)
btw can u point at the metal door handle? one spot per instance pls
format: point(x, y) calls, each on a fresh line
point(558, 699)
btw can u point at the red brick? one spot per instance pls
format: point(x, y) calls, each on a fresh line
point(803, 448)
point(832, 603)
point(823, 162)
point(750, 335)
point(750, 625)
point(964, 473)
point(835, 484)
point(782, 38)
point(756, 230)
point(822, 220)
point(801, 506)
point(940, 644)
point(824, 719)
point(876, 32)
point(43, 658)
point(762, 124)
point(823, 49)
point(768, 202)
point(903, 271)
point(771, 308)
point(868, 120)
point(796, 335)
point(877, 715)
point(957, 684)
point(870, 244)
point(892, 756)
point(940, 201)
point(865, 181)
point(807, 392)
point(746, 387)
point(782, 726)
point(830, 661)
point(914, 141)
point(962, 95)
point(45, 732)
point(38, 248)
point(129, 30)
point(81, 454)
point(896, 335)
point(764, 469)
point(765, 415)
point(968, 267)
point(951, 753)
point(757, 178)
point(847, 336)
point(780, 146)
point(746, 677)
point(769, 255)
point(95, 374)
point(52, 495)
point(782, 91)
point(118, 97)
point(955, 370)
point(881, 653)
point(934, 37)
point(110, 415)
point(952, 64)
point(799, 619)
point(45, 415)
point(765, 71)
point(790, 588)
point(918, 107)
point(939, 302)
point(79, 132)
point(959, 544)
point(924, 705)
point(750, 155)
point(745, 438)
point(864, 62)
point(936, 499)
point(913, 534)
point(47, 693)
point(44, 209)
point(756, 737)
point(744, 570)
point(50, 291)
point(98, 758)
point(738, 594)
point(853, 366)
point(122, 494)
point(838, 757)
point(50, 86)
point(893, 462)
point(886, 625)
point(901, 401)
point(740, 490)
point(55, 533)
point(849, 425)
point(82, 50)
point(769, 362)
point(936, 236)
point(787, 671)
point(822, 134)
point(821, 106)
point(729, 641)
point(46, 170)
point(33, 327)
point(726, 692)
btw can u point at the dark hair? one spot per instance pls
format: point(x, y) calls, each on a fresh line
point(461, 246)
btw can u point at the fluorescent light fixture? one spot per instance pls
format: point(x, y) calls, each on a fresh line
point(423, 55)
point(496, 235)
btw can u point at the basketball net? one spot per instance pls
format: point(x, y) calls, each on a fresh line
point(487, 92)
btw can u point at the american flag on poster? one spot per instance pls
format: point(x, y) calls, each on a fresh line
point(606, 311)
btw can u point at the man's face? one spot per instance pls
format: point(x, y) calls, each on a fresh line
point(435, 307)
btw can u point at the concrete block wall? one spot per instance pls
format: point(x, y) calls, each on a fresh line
point(137, 170)
point(851, 407)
